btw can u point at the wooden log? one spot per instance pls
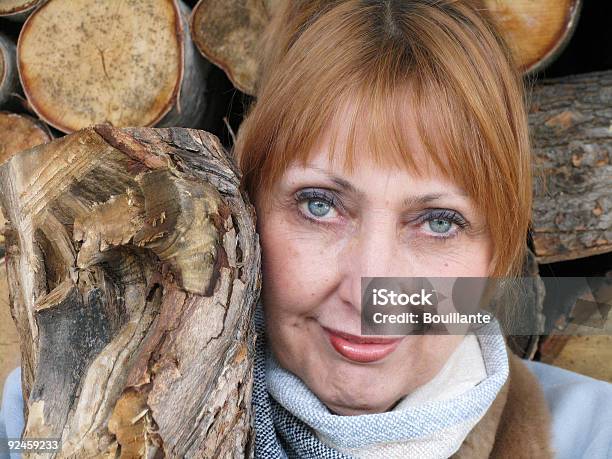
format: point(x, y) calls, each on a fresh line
point(134, 268)
point(537, 32)
point(228, 32)
point(9, 77)
point(18, 132)
point(17, 10)
point(132, 64)
point(570, 121)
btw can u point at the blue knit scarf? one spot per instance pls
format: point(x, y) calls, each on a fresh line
point(280, 433)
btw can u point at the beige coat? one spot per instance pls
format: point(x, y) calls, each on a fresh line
point(518, 423)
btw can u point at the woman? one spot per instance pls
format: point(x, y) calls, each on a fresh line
point(390, 140)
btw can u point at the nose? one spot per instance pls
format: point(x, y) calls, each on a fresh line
point(373, 251)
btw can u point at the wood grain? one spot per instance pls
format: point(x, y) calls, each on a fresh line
point(131, 64)
point(134, 268)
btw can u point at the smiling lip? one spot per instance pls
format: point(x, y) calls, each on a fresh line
point(361, 349)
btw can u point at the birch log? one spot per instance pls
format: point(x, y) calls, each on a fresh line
point(571, 128)
point(9, 79)
point(134, 268)
point(130, 64)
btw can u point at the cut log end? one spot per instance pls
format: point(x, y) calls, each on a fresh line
point(19, 132)
point(535, 31)
point(227, 33)
point(121, 72)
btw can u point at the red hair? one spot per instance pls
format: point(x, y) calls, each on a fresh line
point(443, 59)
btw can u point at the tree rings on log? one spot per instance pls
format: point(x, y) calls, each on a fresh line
point(536, 32)
point(227, 32)
point(122, 63)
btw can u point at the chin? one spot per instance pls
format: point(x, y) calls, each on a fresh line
point(369, 403)
point(358, 389)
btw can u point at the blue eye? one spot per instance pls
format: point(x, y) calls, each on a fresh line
point(316, 205)
point(439, 225)
point(318, 208)
point(443, 223)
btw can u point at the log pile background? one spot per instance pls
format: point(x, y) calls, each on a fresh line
point(66, 65)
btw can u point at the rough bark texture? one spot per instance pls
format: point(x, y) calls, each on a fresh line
point(537, 32)
point(9, 78)
point(571, 121)
point(133, 64)
point(134, 268)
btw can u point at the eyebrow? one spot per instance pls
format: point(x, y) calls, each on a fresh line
point(410, 201)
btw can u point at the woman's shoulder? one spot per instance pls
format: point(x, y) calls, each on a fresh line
point(581, 409)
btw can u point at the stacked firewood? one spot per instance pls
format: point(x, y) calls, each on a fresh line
point(131, 255)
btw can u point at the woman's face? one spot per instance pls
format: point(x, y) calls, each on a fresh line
point(326, 229)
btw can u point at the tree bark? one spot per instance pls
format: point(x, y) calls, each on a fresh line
point(570, 120)
point(537, 32)
point(9, 78)
point(134, 64)
point(134, 268)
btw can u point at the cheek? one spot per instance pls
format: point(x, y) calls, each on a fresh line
point(297, 268)
point(453, 258)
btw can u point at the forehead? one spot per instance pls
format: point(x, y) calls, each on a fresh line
point(363, 140)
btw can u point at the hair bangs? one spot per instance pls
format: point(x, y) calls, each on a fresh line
point(423, 86)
